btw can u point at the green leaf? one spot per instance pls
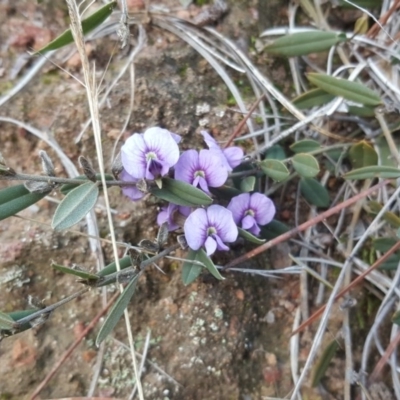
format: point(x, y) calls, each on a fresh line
point(396, 318)
point(306, 165)
point(225, 192)
point(109, 269)
point(65, 189)
point(362, 154)
point(276, 152)
point(6, 322)
point(366, 111)
point(248, 183)
point(190, 271)
point(117, 310)
point(305, 146)
point(273, 229)
point(385, 156)
point(322, 364)
point(274, 169)
point(76, 272)
point(75, 206)
point(314, 192)
point(361, 3)
point(17, 315)
point(250, 237)
point(312, 98)
point(15, 199)
point(206, 260)
point(303, 43)
point(88, 24)
point(181, 193)
point(389, 216)
point(352, 91)
point(377, 171)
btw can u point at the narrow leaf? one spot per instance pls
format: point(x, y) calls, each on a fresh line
point(15, 199)
point(250, 237)
point(109, 269)
point(303, 43)
point(274, 169)
point(117, 310)
point(190, 271)
point(306, 165)
point(362, 154)
point(76, 272)
point(65, 189)
point(312, 98)
point(305, 146)
point(181, 193)
point(88, 24)
point(6, 322)
point(314, 192)
point(247, 184)
point(353, 91)
point(75, 206)
point(377, 171)
point(322, 365)
point(208, 263)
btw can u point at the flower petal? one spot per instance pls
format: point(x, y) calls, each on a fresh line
point(263, 208)
point(210, 141)
point(187, 166)
point(222, 219)
point(238, 206)
point(248, 222)
point(216, 173)
point(195, 228)
point(163, 144)
point(130, 191)
point(233, 155)
point(133, 156)
point(220, 243)
point(210, 245)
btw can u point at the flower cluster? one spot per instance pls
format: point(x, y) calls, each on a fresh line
point(151, 156)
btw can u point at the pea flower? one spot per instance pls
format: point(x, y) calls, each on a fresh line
point(231, 156)
point(251, 210)
point(151, 154)
point(130, 191)
point(210, 228)
point(173, 214)
point(203, 169)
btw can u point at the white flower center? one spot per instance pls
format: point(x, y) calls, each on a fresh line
point(249, 212)
point(199, 173)
point(151, 156)
point(211, 231)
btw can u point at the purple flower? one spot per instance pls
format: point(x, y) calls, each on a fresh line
point(202, 169)
point(174, 215)
point(130, 191)
point(210, 228)
point(151, 154)
point(251, 210)
point(231, 156)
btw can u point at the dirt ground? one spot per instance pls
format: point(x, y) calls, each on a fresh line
point(217, 340)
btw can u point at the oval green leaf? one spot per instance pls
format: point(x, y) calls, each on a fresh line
point(273, 229)
point(314, 192)
point(305, 146)
point(312, 98)
point(274, 169)
point(377, 171)
point(190, 271)
point(15, 199)
point(303, 43)
point(247, 184)
point(353, 91)
point(75, 206)
point(362, 154)
point(306, 165)
point(181, 193)
point(88, 24)
point(117, 310)
point(250, 237)
point(276, 152)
